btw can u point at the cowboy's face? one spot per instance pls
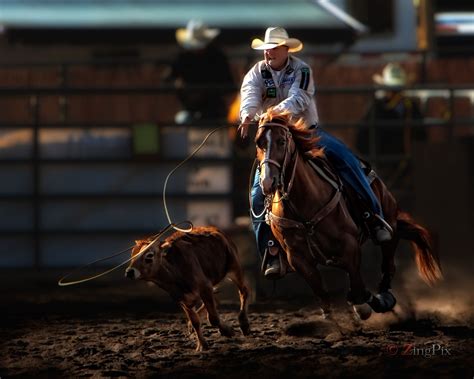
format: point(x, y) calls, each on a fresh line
point(276, 57)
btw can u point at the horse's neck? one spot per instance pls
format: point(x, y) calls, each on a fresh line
point(308, 194)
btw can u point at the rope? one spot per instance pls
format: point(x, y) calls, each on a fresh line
point(171, 225)
point(63, 283)
point(178, 166)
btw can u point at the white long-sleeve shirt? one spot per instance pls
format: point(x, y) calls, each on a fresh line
point(290, 89)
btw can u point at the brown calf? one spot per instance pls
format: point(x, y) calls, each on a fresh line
point(188, 266)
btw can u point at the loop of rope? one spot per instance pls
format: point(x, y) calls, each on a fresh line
point(171, 225)
point(155, 238)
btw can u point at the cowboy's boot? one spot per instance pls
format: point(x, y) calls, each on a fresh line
point(273, 265)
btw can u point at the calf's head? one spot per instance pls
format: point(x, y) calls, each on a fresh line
point(145, 264)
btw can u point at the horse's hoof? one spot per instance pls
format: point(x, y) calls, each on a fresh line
point(383, 302)
point(387, 300)
point(363, 311)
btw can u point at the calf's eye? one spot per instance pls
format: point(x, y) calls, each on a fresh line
point(148, 258)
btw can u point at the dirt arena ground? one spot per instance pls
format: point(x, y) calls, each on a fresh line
point(116, 328)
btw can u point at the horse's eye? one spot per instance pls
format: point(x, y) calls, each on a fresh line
point(280, 142)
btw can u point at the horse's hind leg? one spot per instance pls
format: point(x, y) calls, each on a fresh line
point(388, 264)
point(359, 295)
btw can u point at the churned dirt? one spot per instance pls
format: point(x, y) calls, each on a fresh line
point(116, 328)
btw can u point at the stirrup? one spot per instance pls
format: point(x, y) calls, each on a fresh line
point(385, 224)
point(272, 274)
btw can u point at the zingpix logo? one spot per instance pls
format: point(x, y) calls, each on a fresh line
point(425, 351)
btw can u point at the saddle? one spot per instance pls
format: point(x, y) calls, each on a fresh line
point(357, 207)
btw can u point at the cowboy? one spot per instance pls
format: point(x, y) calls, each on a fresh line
point(286, 83)
point(203, 65)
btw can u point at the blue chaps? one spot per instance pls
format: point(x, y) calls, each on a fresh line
point(348, 168)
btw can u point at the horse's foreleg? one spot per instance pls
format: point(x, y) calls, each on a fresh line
point(358, 294)
point(311, 274)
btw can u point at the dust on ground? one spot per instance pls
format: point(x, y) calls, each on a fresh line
point(115, 329)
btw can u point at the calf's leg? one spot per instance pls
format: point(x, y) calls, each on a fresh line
point(200, 311)
point(196, 323)
point(244, 292)
point(207, 296)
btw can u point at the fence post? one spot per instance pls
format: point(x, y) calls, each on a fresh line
point(34, 104)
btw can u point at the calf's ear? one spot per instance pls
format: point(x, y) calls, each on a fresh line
point(165, 247)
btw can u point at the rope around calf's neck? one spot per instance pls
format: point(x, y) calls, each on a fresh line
point(155, 238)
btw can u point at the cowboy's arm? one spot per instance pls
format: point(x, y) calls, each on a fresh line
point(250, 100)
point(300, 94)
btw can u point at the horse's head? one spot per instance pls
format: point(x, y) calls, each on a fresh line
point(275, 146)
point(279, 141)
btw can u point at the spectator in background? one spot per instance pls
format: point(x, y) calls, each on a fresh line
point(200, 63)
point(400, 116)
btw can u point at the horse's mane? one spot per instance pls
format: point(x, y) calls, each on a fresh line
point(304, 139)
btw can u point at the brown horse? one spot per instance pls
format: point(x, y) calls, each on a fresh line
point(313, 223)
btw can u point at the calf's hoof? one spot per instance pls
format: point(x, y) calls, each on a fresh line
point(244, 324)
point(245, 328)
point(202, 346)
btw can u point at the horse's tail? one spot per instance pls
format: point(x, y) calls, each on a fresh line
point(427, 260)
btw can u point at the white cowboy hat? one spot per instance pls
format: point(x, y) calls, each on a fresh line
point(196, 35)
point(276, 36)
point(392, 75)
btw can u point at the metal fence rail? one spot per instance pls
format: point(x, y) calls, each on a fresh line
point(35, 165)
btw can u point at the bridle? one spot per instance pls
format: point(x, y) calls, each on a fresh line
point(290, 152)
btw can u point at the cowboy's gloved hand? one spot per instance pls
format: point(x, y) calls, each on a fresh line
point(244, 127)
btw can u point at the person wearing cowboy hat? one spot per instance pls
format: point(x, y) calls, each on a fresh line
point(392, 107)
point(285, 83)
point(201, 74)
